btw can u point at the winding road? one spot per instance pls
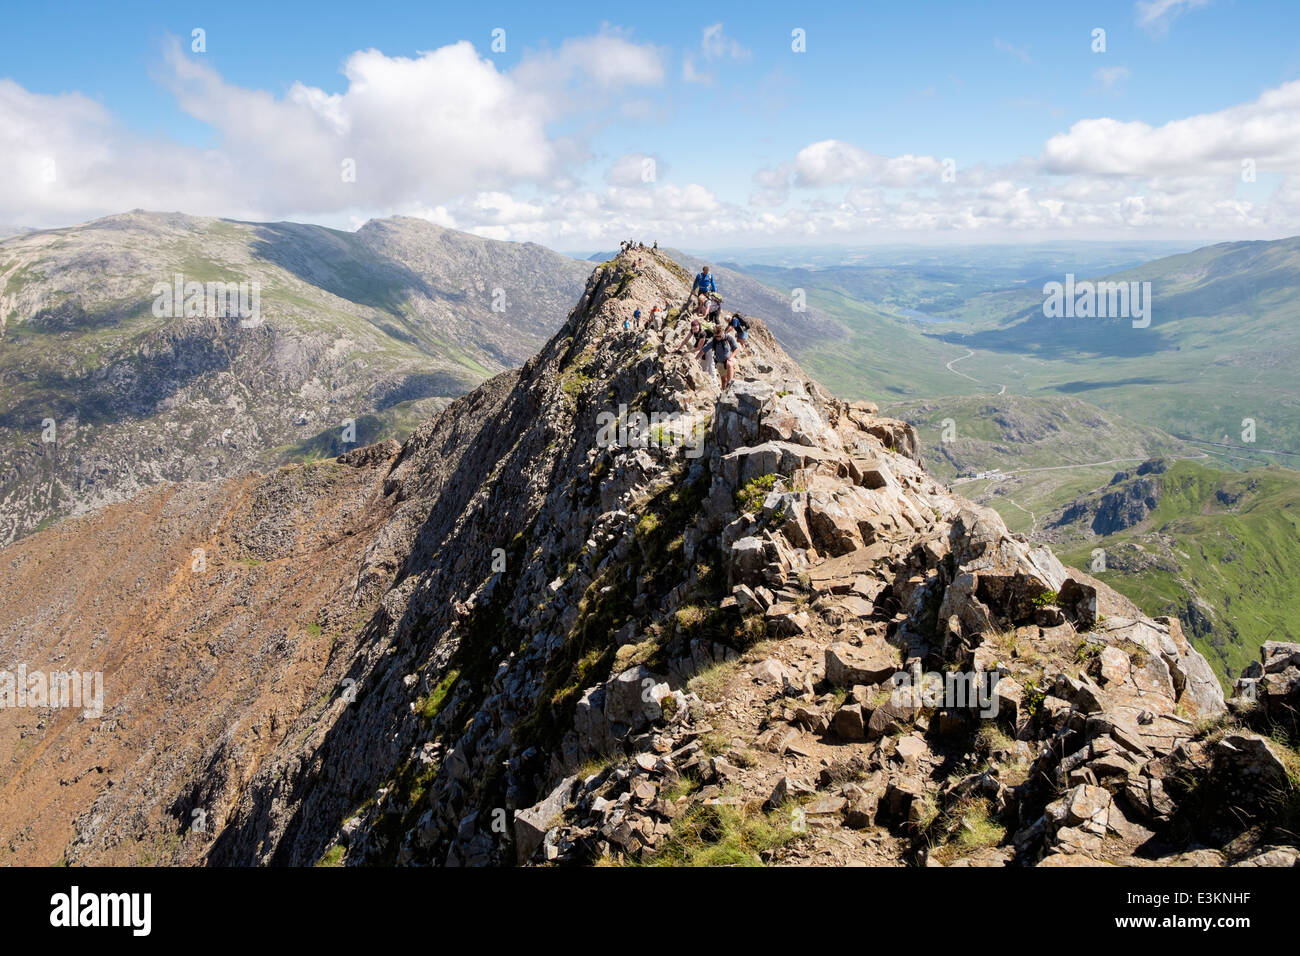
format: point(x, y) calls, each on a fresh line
point(1002, 389)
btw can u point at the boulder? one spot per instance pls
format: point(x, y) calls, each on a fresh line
point(834, 529)
point(787, 619)
point(769, 671)
point(893, 714)
point(632, 697)
point(738, 413)
point(531, 824)
point(747, 558)
point(778, 458)
point(873, 473)
point(786, 788)
point(872, 663)
point(792, 418)
point(847, 724)
point(1085, 808)
point(1114, 666)
point(1250, 763)
point(1276, 656)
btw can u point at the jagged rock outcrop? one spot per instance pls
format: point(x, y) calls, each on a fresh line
point(1271, 685)
point(1126, 503)
point(615, 612)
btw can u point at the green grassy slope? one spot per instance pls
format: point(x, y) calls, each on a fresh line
point(1221, 551)
point(883, 359)
point(1047, 450)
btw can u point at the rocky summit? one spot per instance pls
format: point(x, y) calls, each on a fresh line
point(598, 611)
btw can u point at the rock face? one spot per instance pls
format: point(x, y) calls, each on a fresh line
point(1273, 684)
point(582, 635)
point(1126, 503)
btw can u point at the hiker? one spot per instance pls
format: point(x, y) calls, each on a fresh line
point(693, 337)
point(723, 348)
point(704, 282)
point(656, 320)
point(739, 328)
point(706, 306)
point(656, 245)
point(636, 319)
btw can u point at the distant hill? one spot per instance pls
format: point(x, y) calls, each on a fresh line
point(1019, 432)
point(1025, 456)
point(1223, 346)
point(378, 327)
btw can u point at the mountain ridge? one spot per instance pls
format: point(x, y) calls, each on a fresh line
point(372, 329)
point(523, 643)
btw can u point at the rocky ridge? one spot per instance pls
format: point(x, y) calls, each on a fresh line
point(755, 630)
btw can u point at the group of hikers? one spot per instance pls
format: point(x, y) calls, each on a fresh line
point(714, 341)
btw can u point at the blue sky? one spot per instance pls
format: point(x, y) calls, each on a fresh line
point(751, 142)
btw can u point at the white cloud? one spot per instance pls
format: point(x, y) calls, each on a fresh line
point(715, 46)
point(581, 217)
point(1101, 178)
point(420, 130)
point(1266, 130)
point(434, 126)
point(636, 169)
point(833, 161)
point(608, 60)
point(691, 75)
point(772, 187)
point(449, 136)
point(1156, 15)
point(718, 46)
point(67, 159)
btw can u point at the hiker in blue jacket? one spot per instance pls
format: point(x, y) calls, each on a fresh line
point(703, 282)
